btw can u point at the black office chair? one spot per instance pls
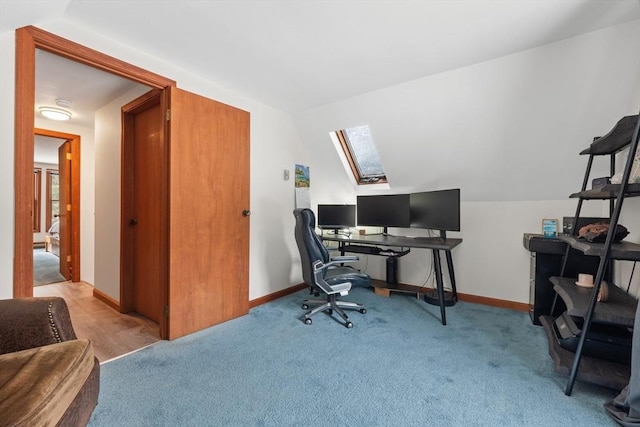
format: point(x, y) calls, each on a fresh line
point(325, 275)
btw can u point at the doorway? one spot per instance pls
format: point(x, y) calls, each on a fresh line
point(204, 193)
point(62, 209)
point(28, 40)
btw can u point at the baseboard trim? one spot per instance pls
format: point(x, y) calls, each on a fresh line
point(274, 296)
point(492, 302)
point(98, 294)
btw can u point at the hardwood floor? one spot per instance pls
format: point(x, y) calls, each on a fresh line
point(111, 333)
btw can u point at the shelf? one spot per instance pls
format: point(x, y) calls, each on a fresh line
point(608, 191)
point(592, 370)
point(620, 308)
point(374, 250)
point(616, 140)
point(383, 288)
point(625, 251)
point(360, 249)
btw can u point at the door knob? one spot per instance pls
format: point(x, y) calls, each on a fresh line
point(133, 221)
point(246, 212)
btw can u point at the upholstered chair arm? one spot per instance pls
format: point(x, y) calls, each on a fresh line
point(33, 322)
point(345, 258)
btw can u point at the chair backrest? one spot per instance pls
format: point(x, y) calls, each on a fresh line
point(309, 243)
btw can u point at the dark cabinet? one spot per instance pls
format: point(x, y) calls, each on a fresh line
point(546, 261)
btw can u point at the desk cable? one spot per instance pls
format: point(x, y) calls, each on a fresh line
point(633, 269)
point(431, 270)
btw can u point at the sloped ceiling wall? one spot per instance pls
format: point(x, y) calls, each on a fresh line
point(502, 130)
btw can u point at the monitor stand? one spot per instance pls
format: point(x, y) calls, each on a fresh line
point(338, 232)
point(443, 236)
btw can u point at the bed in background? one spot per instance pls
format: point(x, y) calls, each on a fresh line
point(52, 239)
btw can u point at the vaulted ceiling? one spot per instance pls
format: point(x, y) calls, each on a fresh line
point(295, 55)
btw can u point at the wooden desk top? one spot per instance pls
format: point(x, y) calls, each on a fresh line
point(402, 241)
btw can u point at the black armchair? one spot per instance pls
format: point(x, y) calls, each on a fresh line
point(323, 274)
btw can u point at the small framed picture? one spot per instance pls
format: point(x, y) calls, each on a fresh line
point(549, 227)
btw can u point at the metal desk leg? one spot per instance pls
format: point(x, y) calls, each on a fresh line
point(438, 268)
point(451, 275)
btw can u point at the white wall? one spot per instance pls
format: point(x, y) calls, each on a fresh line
point(107, 192)
point(507, 132)
point(7, 79)
point(275, 147)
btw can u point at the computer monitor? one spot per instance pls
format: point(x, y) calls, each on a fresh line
point(388, 210)
point(336, 217)
point(436, 210)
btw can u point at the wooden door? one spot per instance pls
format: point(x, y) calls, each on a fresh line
point(208, 213)
point(65, 213)
point(144, 207)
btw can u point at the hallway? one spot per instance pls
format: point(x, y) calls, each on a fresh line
point(112, 334)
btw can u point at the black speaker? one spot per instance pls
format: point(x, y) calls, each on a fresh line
point(392, 270)
point(603, 341)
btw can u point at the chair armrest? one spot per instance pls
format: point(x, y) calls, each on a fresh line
point(339, 260)
point(33, 322)
point(345, 258)
point(341, 288)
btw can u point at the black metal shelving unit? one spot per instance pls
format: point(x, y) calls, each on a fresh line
point(620, 310)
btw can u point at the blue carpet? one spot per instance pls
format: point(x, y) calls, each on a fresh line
point(46, 268)
point(398, 366)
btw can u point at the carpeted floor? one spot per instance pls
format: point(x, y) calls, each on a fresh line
point(46, 268)
point(398, 366)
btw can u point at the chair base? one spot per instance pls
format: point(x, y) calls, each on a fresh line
point(330, 305)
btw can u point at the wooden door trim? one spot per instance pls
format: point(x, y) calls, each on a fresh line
point(75, 195)
point(28, 39)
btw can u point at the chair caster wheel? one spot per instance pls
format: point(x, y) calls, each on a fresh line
point(317, 294)
point(363, 310)
point(308, 321)
point(305, 307)
point(330, 312)
point(349, 325)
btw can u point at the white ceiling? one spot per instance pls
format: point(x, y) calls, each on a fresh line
point(295, 55)
point(86, 88)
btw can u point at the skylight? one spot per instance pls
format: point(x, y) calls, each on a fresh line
point(362, 155)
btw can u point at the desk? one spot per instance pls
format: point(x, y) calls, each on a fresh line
point(360, 243)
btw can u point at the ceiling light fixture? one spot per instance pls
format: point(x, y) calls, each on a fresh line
point(55, 113)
